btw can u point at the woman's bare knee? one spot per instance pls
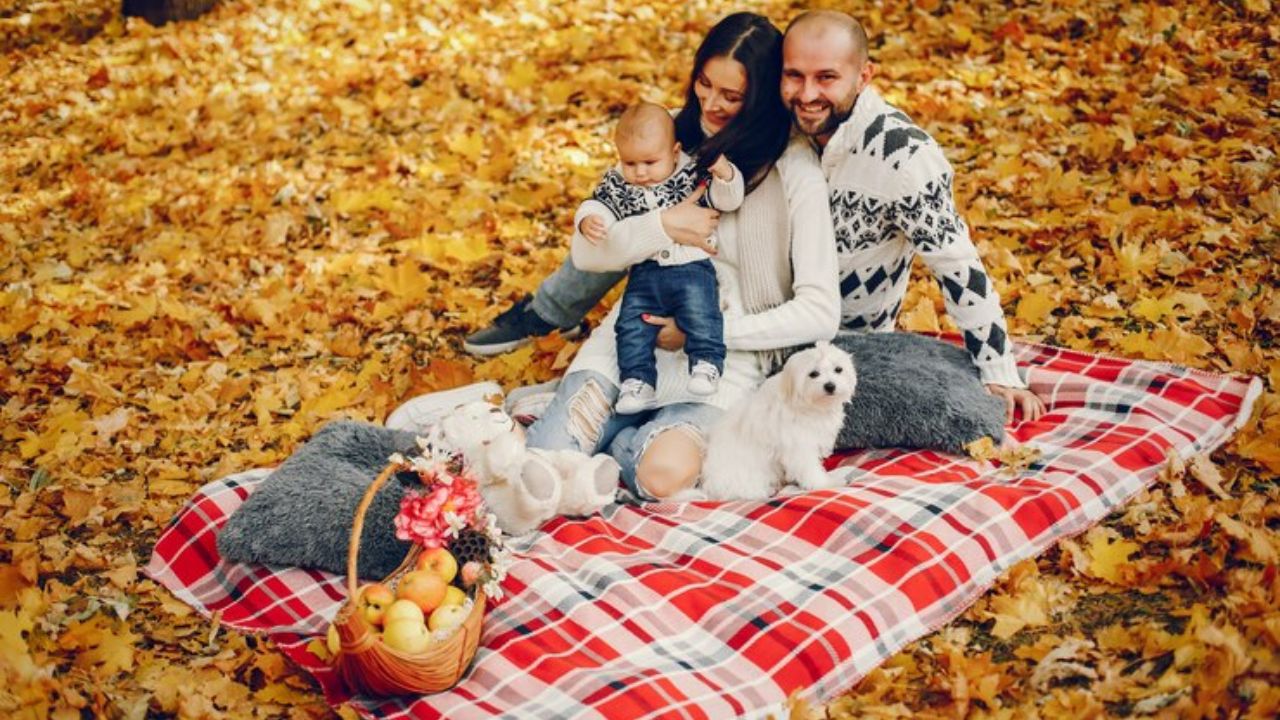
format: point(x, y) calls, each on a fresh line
point(671, 463)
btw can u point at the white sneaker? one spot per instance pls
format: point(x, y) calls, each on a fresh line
point(520, 400)
point(420, 413)
point(703, 378)
point(636, 396)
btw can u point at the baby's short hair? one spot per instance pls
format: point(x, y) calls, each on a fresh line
point(643, 119)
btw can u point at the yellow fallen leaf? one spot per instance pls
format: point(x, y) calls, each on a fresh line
point(1035, 306)
point(1107, 558)
point(1260, 544)
point(921, 318)
point(142, 310)
point(326, 403)
point(1028, 607)
point(468, 145)
point(352, 201)
point(1203, 470)
point(14, 626)
point(522, 75)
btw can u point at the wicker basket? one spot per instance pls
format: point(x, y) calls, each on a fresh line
point(366, 664)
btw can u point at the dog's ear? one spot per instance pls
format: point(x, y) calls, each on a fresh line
point(791, 378)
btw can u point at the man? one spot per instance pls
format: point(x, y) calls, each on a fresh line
point(890, 195)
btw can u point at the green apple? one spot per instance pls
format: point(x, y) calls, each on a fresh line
point(403, 610)
point(454, 596)
point(446, 616)
point(406, 635)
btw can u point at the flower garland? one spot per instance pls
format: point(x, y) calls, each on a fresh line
point(446, 503)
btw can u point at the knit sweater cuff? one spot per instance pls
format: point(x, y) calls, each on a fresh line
point(629, 241)
point(1001, 371)
point(648, 236)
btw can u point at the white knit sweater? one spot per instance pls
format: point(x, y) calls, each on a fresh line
point(890, 194)
point(810, 315)
point(631, 200)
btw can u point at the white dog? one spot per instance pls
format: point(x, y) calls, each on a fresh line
point(782, 431)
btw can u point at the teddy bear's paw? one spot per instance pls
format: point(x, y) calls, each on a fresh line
point(604, 477)
point(541, 481)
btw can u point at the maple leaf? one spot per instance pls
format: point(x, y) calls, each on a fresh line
point(1108, 556)
point(1035, 306)
point(1203, 470)
point(16, 656)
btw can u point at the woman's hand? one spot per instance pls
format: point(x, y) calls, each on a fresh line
point(1033, 407)
point(687, 224)
point(670, 337)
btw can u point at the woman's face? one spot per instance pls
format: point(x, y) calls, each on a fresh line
point(720, 87)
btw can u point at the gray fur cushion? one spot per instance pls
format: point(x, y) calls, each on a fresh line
point(916, 392)
point(301, 514)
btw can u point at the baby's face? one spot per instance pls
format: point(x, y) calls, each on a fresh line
point(647, 159)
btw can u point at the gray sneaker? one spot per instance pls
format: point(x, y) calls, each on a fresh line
point(513, 328)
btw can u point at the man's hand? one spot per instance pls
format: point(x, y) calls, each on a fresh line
point(722, 169)
point(670, 337)
point(687, 224)
point(593, 229)
point(1032, 406)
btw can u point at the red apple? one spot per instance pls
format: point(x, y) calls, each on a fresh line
point(423, 587)
point(374, 600)
point(439, 561)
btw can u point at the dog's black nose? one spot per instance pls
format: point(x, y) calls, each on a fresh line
point(830, 388)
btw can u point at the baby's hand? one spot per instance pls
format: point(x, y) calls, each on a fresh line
point(722, 169)
point(592, 228)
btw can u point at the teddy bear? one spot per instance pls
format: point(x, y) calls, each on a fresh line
point(524, 487)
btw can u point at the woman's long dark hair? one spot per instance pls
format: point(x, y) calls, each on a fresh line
point(756, 137)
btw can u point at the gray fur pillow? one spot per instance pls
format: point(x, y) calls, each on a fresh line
point(916, 391)
point(301, 514)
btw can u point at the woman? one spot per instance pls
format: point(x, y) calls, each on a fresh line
point(776, 262)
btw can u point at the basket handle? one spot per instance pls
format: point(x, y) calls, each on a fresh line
point(357, 528)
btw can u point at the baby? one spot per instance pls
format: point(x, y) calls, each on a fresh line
point(679, 282)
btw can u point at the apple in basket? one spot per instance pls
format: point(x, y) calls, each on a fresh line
point(439, 561)
point(446, 616)
point(403, 610)
point(454, 596)
point(408, 635)
point(423, 587)
point(374, 600)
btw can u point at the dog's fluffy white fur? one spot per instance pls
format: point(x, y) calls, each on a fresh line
point(782, 432)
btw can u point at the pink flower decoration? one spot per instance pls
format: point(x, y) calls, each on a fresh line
point(422, 513)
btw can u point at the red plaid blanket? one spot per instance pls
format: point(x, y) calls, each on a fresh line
point(714, 610)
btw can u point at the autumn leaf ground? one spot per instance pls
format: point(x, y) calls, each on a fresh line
point(216, 236)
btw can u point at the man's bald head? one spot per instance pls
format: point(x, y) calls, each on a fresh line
point(824, 68)
point(816, 23)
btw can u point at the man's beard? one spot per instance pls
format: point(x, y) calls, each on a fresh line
point(835, 116)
